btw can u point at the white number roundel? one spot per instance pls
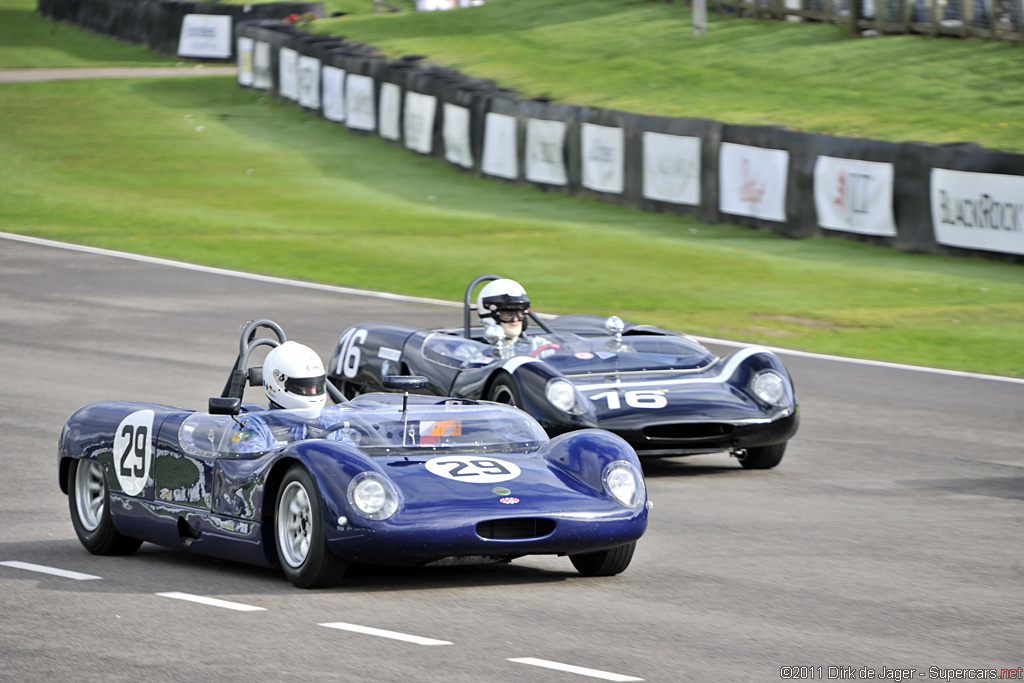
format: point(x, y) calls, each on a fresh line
point(473, 468)
point(133, 451)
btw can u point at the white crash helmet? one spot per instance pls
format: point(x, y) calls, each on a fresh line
point(294, 377)
point(502, 295)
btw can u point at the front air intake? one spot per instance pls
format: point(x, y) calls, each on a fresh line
point(507, 529)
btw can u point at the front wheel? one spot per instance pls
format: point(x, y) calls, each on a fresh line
point(89, 502)
point(299, 530)
point(763, 457)
point(604, 562)
point(504, 390)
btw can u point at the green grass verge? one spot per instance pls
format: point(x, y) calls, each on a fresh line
point(641, 56)
point(199, 170)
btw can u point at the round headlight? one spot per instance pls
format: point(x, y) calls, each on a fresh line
point(561, 394)
point(769, 387)
point(372, 496)
point(624, 483)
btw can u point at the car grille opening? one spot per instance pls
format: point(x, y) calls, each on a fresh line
point(684, 431)
point(505, 529)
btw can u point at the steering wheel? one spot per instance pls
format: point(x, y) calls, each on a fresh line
point(542, 348)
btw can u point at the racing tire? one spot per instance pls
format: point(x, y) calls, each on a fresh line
point(504, 390)
point(604, 562)
point(89, 503)
point(299, 533)
point(763, 457)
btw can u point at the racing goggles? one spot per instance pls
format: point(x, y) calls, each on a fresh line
point(508, 316)
point(306, 386)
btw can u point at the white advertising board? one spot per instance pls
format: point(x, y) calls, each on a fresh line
point(671, 168)
point(262, 78)
point(309, 82)
point(288, 73)
point(854, 195)
point(752, 181)
point(244, 48)
point(360, 111)
point(500, 156)
point(418, 121)
point(334, 94)
point(978, 210)
point(390, 111)
point(545, 144)
point(456, 135)
point(602, 149)
point(205, 35)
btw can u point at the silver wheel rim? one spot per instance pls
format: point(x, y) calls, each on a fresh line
point(90, 493)
point(502, 394)
point(294, 524)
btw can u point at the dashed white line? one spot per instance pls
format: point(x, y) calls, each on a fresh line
point(569, 668)
point(214, 602)
point(394, 635)
point(42, 569)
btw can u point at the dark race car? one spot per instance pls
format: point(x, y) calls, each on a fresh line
point(661, 391)
point(384, 479)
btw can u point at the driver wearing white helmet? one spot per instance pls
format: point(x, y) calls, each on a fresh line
point(504, 302)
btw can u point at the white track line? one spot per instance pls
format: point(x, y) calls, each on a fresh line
point(452, 304)
point(593, 673)
point(78, 576)
point(394, 635)
point(213, 602)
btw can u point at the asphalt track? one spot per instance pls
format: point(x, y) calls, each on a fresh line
point(889, 538)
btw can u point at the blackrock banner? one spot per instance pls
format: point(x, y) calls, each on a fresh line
point(671, 168)
point(602, 152)
point(545, 143)
point(418, 121)
point(854, 196)
point(390, 111)
point(334, 93)
point(499, 155)
point(360, 109)
point(205, 35)
point(752, 181)
point(245, 61)
point(978, 210)
point(288, 73)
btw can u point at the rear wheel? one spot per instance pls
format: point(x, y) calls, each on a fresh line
point(89, 502)
point(505, 391)
point(763, 457)
point(299, 531)
point(604, 562)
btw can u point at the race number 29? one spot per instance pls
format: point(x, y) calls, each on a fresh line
point(133, 451)
point(472, 468)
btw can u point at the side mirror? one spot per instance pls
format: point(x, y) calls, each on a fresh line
point(405, 382)
point(220, 405)
point(255, 377)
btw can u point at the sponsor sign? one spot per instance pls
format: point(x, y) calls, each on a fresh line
point(500, 146)
point(262, 79)
point(545, 145)
point(603, 156)
point(288, 73)
point(456, 135)
point(854, 196)
point(360, 112)
point(245, 47)
point(672, 168)
point(752, 181)
point(205, 35)
point(309, 82)
point(333, 80)
point(978, 210)
point(418, 121)
point(390, 111)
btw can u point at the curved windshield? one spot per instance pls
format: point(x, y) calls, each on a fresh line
point(376, 424)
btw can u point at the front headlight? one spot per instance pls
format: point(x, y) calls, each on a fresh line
point(769, 387)
point(562, 395)
point(624, 483)
point(372, 496)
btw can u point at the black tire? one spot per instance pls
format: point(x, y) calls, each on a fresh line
point(504, 390)
point(763, 457)
point(604, 562)
point(348, 389)
point(89, 503)
point(299, 533)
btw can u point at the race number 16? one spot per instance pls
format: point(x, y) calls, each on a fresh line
point(348, 355)
point(633, 399)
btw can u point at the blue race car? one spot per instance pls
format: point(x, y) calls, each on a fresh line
point(662, 391)
point(387, 478)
